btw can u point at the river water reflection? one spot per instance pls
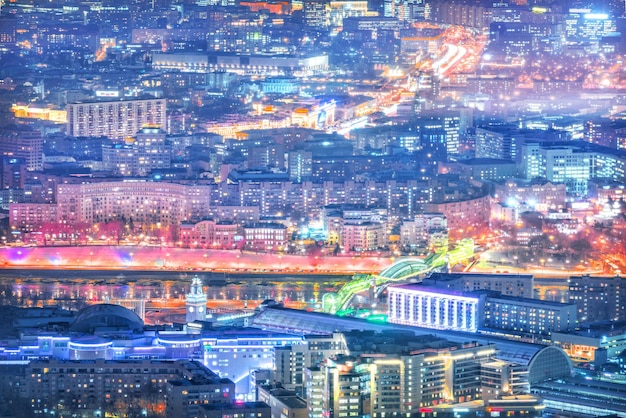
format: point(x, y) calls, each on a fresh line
point(74, 289)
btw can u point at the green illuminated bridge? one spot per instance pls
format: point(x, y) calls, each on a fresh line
point(399, 271)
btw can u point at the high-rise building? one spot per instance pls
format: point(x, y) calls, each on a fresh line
point(114, 119)
point(498, 142)
point(300, 165)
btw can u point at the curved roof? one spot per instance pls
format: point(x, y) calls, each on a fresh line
point(549, 363)
point(542, 362)
point(404, 268)
point(89, 340)
point(106, 316)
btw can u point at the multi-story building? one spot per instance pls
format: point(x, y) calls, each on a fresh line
point(434, 308)
point(452, 12)
point(187, 394)
point(283, 403)
point(528, 316)
point(355, 227)
point(431, 307)
point(572, 163)
point(265, 236)
point(118, 387)
point(363, 236)
point(209, 234)
point(143, 201)
point(598, 298)
point(517, 285)
point(402, 381)
point(316, 14)
point(237, 409)
point(292, 361)
point(499, 378)
point(426, 230)
point(481, 169)
point(463, 213)
point(499, 142)
point(300, 165)
point(541, 196)
point(31, 217)
point(114, 119)
point(241, 64)
point(139, 155)
point(23, 143)
point(314, 390)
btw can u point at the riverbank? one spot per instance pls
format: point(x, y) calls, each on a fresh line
point(125, 258)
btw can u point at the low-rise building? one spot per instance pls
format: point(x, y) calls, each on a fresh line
point(594, 344)
point(268, 236)
point(283, 403)
point(237, 409)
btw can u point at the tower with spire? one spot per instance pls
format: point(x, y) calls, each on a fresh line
point(195, 302)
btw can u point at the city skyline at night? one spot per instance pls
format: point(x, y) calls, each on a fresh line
point(312, 208)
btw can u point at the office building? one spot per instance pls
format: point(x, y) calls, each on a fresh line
point(528, 316)
point(499, 142)
point(441, 308)
point(572, 163)
point(433, 308)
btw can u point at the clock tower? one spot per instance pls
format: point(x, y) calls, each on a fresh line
point(195, 301)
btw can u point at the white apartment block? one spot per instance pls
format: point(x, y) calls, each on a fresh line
point(114, 119)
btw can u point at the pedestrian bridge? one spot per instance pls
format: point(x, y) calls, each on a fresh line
point(399, 271)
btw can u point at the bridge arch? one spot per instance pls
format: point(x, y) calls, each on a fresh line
point(404, 268)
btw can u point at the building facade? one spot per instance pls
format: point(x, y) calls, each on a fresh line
point(114, 119)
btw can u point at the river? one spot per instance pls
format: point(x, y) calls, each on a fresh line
point(73, 289)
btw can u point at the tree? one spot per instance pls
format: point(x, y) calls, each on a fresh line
point(581, 245)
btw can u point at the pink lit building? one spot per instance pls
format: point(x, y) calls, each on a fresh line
point(268, 236)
